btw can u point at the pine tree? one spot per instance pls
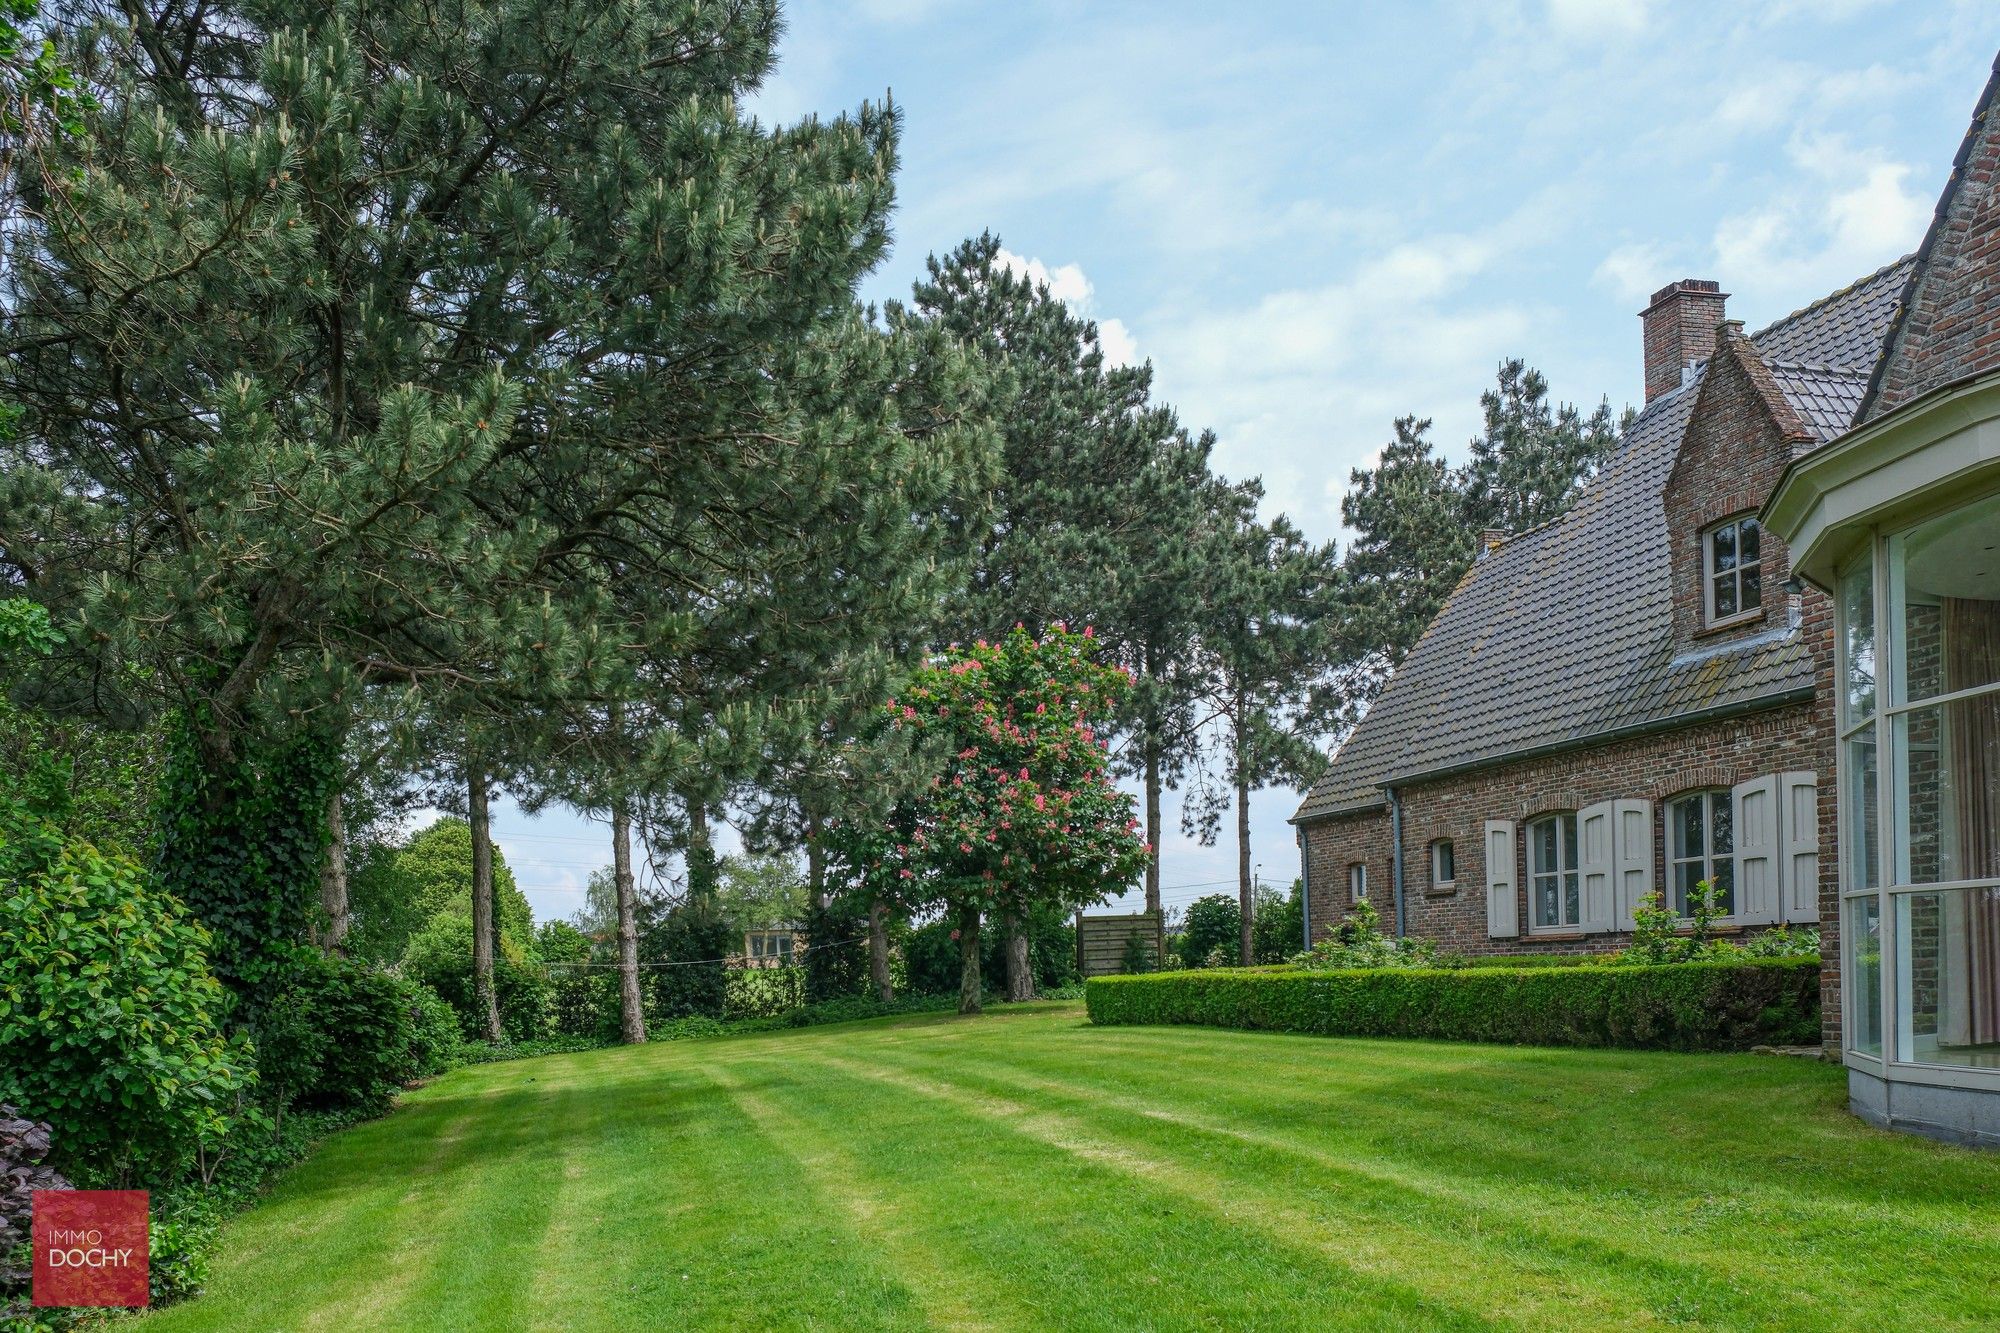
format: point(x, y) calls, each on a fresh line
point(1270, 639)
point(1409, 548)
point(1531, 460)
point(358, 346)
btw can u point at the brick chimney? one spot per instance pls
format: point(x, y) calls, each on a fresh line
point(1680, 326)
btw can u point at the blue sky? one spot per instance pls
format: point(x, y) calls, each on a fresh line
point(1313, 218)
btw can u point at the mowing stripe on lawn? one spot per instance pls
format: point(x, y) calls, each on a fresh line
point(940, 1290)
point(1277, 1227)
point(1495, 1237)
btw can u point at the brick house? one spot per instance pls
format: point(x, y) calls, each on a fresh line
point(1642, 694)
point(1626, 698)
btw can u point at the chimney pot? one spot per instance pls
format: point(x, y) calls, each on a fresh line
point(1680, 324)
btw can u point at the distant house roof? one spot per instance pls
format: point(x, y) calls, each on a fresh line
point(1564, 634)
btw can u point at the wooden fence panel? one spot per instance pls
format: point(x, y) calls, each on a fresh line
point(1101, 942)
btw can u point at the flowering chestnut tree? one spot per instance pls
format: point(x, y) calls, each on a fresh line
point(1019, 809)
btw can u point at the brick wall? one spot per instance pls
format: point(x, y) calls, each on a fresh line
point(1739, 440)
point(1952, 327)
point(1337, 842)
point(1658, 767)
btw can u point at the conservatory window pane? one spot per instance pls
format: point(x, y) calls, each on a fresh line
point(1948, 802)
point(1861, 819)
point(1944, 587)
point(1857, 650)
point(1863, 943)
point(1948, 992)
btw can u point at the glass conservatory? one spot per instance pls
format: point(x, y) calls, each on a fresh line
point(1900, 521)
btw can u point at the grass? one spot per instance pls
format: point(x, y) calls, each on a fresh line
point(1028, 1171)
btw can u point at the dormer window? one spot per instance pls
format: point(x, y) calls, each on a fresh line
point(1733, 583)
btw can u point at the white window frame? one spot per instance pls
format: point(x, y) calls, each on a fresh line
point(1441, 850)
point(1708, 858)
point(1709, 573)
point(1565, 872)
point(1357, 881)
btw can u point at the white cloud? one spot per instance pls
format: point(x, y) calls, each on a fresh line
point(1301, 385)
point(1844, 212)
point(1068, 284)
point(1120, 347)
point(1634, 271)
point(1596, 19)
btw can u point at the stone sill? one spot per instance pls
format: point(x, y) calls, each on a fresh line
point(1742, 620)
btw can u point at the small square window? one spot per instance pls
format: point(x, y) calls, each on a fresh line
point(1733, 575)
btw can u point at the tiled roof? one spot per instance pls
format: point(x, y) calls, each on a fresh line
point(1844, 329)
point(1565, 633)
point(1825, 397)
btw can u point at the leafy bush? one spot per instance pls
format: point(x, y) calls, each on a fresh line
point(583, 1001)
point(930, 959)
point(763, 992)
point(694, 940)
point(836, 960)
point(23, 1146)
point(1277, 927)
point(1212, 923)
point(434, 1030)
point(1709, 1006)
point(1658, 935)
point(1358, 941)
point(111, 1025)
point(440, 956)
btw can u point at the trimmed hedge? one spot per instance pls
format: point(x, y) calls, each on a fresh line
point(1681, 1007)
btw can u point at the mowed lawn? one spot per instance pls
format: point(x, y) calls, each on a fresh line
point(1028, 1171)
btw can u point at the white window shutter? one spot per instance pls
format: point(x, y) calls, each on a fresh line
point(1758, 863)
point(1633, 851)
point(1597, 864)
point(1503, 915)
point(1799, 802)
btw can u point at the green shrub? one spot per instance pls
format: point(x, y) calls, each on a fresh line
point(1213, 924)
point(434, 1030)
point(583, 1000)
point(440, 956)
point(694, 940)
point(111, 1024)
point(836, 958)
point(1686, 1007)
point(763, 992)
point(1358, 941)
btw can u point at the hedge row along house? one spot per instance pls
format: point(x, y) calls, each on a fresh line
point(1763, 650)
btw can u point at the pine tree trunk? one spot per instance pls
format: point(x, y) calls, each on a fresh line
point(968, 960)
point(333, 879)
point(816, 865)
point(482, 901)
point(1153, 824)
point(878, 952)
point(1020, 977)
point(1246, 894)
point(631, 1009)
point(701, 854)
